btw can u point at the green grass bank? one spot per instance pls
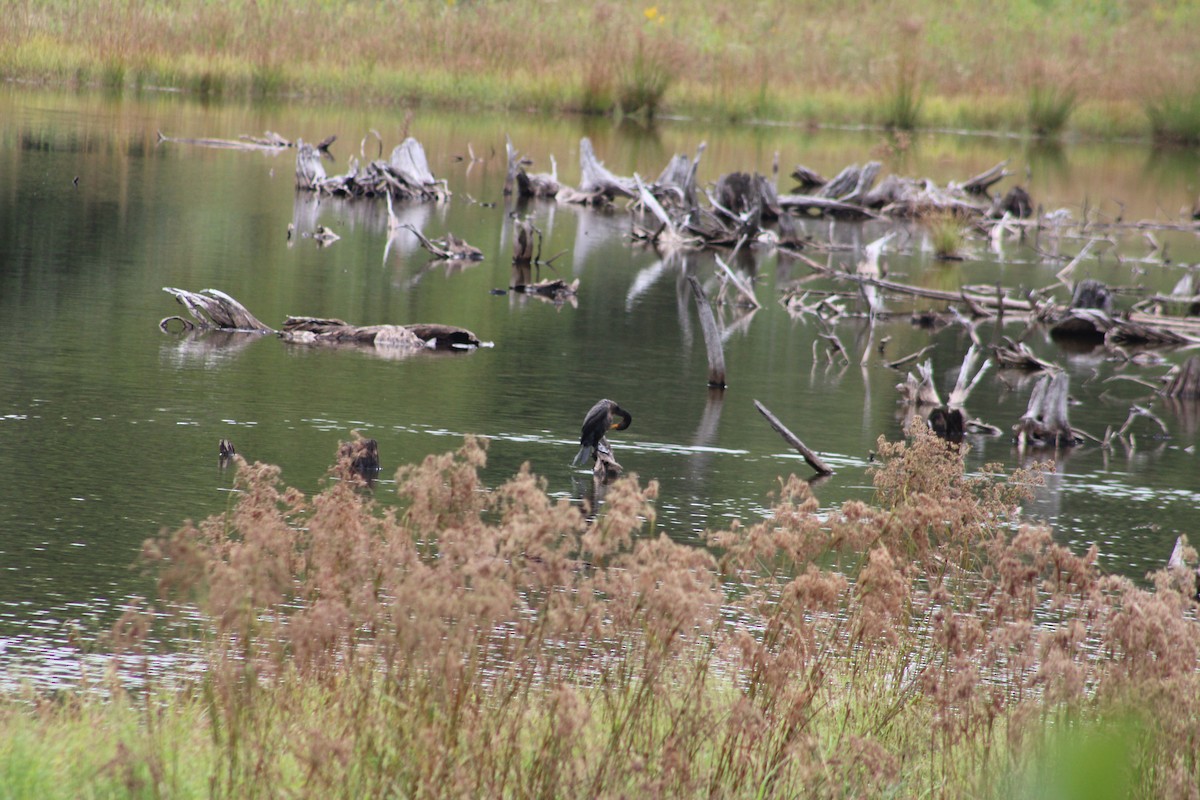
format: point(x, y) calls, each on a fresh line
point(1107, 68)
point(479, 641)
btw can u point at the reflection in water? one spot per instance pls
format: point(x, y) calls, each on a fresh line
point(210, 349)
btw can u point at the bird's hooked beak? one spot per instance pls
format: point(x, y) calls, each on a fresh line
point(626, 418)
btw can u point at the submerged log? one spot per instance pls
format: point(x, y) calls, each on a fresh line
point(809, 455)
point(712, 336)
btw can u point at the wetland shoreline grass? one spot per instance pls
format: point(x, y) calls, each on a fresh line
point(1113, 69)
point(495, 642)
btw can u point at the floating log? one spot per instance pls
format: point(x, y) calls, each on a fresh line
point(712, 336)
point(216, 310)
point(411, 337)
point(810, 457)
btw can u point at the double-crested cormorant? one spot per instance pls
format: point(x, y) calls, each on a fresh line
point(599, 421)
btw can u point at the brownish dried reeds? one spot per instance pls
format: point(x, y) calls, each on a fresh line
point(476, 642)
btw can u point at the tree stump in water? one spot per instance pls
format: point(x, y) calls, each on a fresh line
point(1045, 420)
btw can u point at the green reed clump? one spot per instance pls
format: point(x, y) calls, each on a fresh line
point(946, 236)
point(474, 641)
point(1050, 107)
point(1175, 117)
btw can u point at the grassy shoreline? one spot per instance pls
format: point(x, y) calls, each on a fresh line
point(495, 642)
point(1047, 68)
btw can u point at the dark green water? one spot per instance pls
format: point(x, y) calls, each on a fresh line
point(109, 428)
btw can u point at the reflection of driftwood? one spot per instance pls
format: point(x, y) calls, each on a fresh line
point(811, 457)
point(523, 241)
point(214, 310)
point(712, 337)
point(270, 141)
point(1183, 380)
point(1045, 422)
point(557, 289)
point(448, 248)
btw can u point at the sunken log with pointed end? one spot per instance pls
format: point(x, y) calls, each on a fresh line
point(712, 337)
point(809, 455)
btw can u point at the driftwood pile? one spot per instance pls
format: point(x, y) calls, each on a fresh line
point(404, 176)
point(212, 310)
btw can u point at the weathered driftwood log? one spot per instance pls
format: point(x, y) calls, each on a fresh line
point(676, 185)
point(405, 176)
point(415, 336)
point(595, 179)
point(1090, 323)
point(1017, 355)
point(541, 184)
point(808, 179)
point(810, 456)
point(918, 390)
point(213, 310)
point(216, 310)
point(985, 180)
point(712, 336)
point(310, 172)
point(1183, 381)
point(811, 205)
point(1045, 422)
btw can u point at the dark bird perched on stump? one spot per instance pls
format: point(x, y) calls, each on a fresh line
point(598, 422)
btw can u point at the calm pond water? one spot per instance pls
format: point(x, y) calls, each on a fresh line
point(109, 427)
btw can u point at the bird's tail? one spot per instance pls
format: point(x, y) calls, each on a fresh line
point(582, 456)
